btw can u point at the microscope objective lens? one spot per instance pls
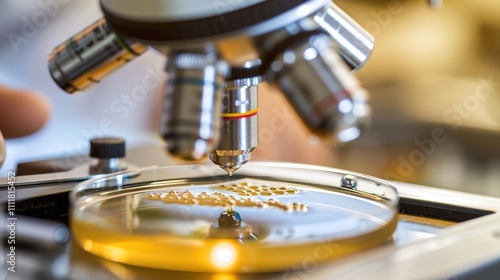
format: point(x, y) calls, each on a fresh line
point(195, 194)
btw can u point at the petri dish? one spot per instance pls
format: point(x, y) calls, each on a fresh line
point(267, 217)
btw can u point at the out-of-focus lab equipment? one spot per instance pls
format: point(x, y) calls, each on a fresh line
point(107, 215)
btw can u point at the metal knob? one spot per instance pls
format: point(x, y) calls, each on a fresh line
point(108, 151)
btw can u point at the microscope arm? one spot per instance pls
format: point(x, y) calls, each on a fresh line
point(216, 58)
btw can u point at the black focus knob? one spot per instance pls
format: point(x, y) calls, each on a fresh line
point(105, 148)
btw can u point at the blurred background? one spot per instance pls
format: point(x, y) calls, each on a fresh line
point(434, 80)
point(433, 72)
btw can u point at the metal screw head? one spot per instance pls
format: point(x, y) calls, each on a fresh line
point(350, 182)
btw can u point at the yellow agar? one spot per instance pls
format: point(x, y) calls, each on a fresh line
point(108, 231)
point(175, 253)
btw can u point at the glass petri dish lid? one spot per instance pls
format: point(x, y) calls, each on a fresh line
point(266, 217)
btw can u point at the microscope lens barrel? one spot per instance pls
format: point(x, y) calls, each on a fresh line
point(192, 105)
point(353, 42)
point(239, 124)
point(86, 58)
point(321, 89)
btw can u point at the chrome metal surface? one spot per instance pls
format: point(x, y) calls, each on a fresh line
point(89, 56)
point(350, 182)
point(240, 32)
point(318, 85)
point(239, 124)
point(198, 41)
point(353, 42)
point(192, 105)
point(109, 165)
point(50, 183)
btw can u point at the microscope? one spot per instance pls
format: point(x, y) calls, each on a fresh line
point(218, 52)
point(293, 220)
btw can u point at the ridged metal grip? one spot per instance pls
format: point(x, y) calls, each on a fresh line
point(107, 148)
point(192, 105)
point(107, 151)
point(89, 56)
